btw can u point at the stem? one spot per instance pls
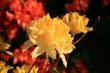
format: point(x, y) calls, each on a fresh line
point(46, 68)
point(46, 62)
point(56, 62)
point(98, 19)
point(54, 65)
point(80, 39)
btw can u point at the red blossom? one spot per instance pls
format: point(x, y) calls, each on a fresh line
point(79, 67)
point(21, 11)
point(15, 5)
point(78, 5)
point(105, 3)
point(23, 57)
point(0, 13)
point(2, 3)
point(25, 11)
point(11, 32)
point(18, 13)
point(4, 57)
point(43, 65)
point(9, 15)
point(23, 20)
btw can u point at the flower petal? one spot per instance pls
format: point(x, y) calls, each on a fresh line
point(86, 29)
point(5, 69)
point(37, 51)
point(51, 52)
point(34, 69)
point(68, 50)
point(27, 45)
point(63, 59)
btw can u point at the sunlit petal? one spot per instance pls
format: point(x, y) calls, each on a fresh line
point(63, 59)
point(77, 22)
point(51, 52)
point(27, 45)
point(36, 52)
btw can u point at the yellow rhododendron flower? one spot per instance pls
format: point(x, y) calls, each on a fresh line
point(2, 64)
point(3, 46)
point(3, 68)
point(50, 35)
point(77, 23)
point(25, 69)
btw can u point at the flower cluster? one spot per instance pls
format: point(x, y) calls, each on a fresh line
point(47, 37)
point(3, 68)
point(24, 11)
point(105, 3)
point(15, 14)
point(77, 23)
point(23, 57)
point(24, 69)
point(51, 35)
point(77, 5)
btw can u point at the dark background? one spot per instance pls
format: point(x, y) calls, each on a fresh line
point(94, 48)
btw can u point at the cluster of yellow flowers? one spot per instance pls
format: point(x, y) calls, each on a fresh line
point(24, 69)
point(53, 35)
point(3, 68)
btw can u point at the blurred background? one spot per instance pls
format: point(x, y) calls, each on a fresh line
point(92, 53)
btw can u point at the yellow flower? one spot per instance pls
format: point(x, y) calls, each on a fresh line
point(25, 69)
point(2, 64)
point(50, 35)
point(3, 46)
point(3, 68)
point(77, 23)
